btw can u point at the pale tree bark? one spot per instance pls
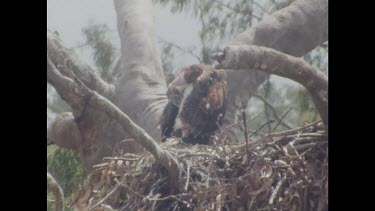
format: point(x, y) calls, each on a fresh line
point(141, 89)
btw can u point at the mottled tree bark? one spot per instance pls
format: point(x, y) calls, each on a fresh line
point(141, 89)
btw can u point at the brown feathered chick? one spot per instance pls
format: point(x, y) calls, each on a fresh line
point(197, 103)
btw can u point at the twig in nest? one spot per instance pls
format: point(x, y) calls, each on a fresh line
point(256, 131)
point(187, 177)
point(269, 105)
point(296, 130)
point(153, 199)
point(277, 189)
point(106, 197)
point(278, 123)
point(245, 130)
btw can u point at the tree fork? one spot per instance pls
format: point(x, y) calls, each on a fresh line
point(99, 102)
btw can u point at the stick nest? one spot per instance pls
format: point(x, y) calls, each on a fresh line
point(280, 171)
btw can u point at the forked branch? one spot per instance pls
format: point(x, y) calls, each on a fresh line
point(60, 54)
point(76, 93)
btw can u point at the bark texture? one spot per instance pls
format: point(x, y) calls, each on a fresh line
point(141, 89)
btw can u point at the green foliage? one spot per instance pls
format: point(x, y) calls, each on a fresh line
point(167, 56)
point(66, 168)
point(104, 52)
point(303, 106)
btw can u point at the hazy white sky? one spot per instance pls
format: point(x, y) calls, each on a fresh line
point(68, 17)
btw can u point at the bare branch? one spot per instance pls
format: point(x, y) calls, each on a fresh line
point(269, 105)
point(65, 87)
point(298, 129)
point(60, 54)
point(281, 119)
point(188, 51)
point(245, 12)
point(278, 63)
point(245, 131)
point(276, 190)
point(296, 30)
point(57, 191)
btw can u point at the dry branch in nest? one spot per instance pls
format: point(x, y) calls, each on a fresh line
point(284, 171)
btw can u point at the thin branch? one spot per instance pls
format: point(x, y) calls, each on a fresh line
point(281, 64)
point(245, 130)
point(261, 7)
point(106, 197)
point(267, 90)
point(190, 52)
point(57, 191)
point(203, 38)
point(237, 10)
point(278, 123)
point(255, 132)
point(269, 105)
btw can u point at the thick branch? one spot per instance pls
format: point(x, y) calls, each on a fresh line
point(296, 30)
point(60, 55)
point(278, 63)
point(57, 191)
point(98, 102)
point(65, 87)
